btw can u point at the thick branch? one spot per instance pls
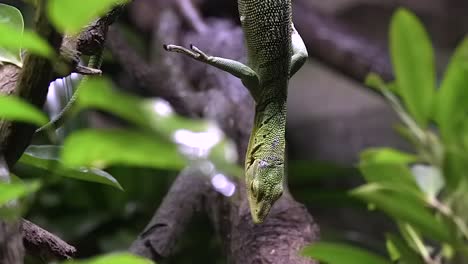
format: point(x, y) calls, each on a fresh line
point(158, 240)
point(43, 244)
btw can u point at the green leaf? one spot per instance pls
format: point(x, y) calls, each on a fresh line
point(453, 94)
point(115, 258)
point(396, 175)
point(405, 207)
point(385, 165)
point(153, 114)
point(84, 12)
point(334, 253)
point(11, 16)
point(386, 155)
point(413, 61)
point(12, 38)
point(401, 251)
point(375, 81)
point(14, 108)
point(16, 190)
point(46, 157)
point(101, 148)
point(197, 139)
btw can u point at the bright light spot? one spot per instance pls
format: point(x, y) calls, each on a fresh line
point(53, 100)
point(198, 143)
point(75, 76)
point(230, 153)
point(162, 108)
point(223, 185)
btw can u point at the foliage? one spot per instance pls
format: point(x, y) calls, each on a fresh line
point(425, 192)
point(155, 140)
point(14, 108)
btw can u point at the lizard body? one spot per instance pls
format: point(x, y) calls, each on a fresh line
point(94, 64)
point(275, 51)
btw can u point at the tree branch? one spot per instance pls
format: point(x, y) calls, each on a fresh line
point(43, 244)
point(158, 240)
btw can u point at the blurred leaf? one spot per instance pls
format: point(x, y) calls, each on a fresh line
point(402, 252)
point(46, 157)
point(386, 155)
point(404, 206)
point(154, 114)
point(101, 148)
point(16, 190)
point(455, 165)
point(14, 108)
point(196, 139)
point(333, 253)
point(413, 62)
point(429, 179)
point(12, 38)
point(395, 175)
point(453, 94)
point(114, 258)
point(11, 16)
point(375, 81)
point(390, 166)
point(84, 12)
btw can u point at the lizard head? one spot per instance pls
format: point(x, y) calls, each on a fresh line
point(264, 187)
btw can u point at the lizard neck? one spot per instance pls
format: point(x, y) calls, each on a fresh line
point(267, 140)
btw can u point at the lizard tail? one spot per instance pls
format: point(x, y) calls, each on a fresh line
point(95, 62)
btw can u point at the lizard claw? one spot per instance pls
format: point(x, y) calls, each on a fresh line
point(201, 54)
point(193, 52)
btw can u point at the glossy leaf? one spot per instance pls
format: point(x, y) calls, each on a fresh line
point(14, 108)
point(102, 148)
point(413, 62)
point(453, 94)
point(115, 258)
point(334, 253)
point(84, 12)
point(11, 16)
point(404, 206)
point(46, 157)
point(16, 190)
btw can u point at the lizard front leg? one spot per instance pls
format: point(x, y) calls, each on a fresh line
point(238, 69)
point(299, 52)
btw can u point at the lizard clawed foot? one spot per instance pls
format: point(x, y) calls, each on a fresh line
point(193, 52)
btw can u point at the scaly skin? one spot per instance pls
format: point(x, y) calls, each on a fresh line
point(275, 51)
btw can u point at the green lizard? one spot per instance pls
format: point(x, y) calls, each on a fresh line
point(94, 64)
point(275, 52)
